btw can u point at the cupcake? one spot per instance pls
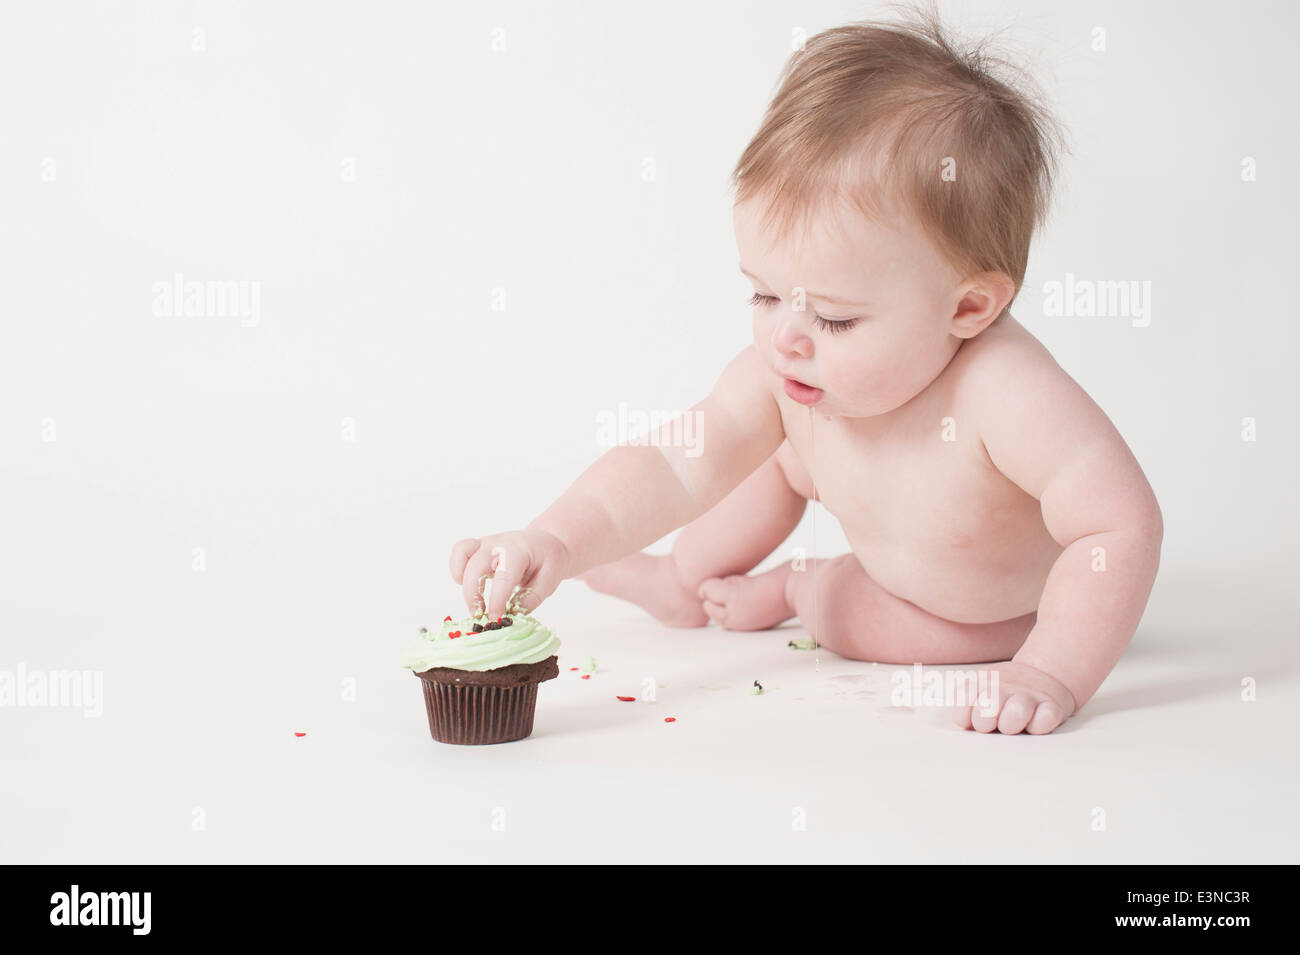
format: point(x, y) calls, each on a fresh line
point(480, 675)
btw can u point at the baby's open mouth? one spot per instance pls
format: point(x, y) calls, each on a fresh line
point(804, 394)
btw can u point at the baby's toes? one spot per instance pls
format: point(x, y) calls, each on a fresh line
point(1046, 718)
point(712, 596)
point(715, 596)
point(717, 612)
point(1017, 711)
point(714, 590)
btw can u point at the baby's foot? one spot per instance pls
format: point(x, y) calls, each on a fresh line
point(1029, 701)
point(651, 582)
point(741, 602)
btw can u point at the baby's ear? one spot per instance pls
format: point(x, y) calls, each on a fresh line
point(983, 298)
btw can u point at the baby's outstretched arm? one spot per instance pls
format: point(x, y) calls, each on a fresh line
point(1043, 432)
point(632, 495)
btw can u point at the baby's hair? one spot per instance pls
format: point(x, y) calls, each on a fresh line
point(878, 110)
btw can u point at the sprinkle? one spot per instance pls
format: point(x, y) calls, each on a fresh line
point(588, 664)
point(446, 618)
point(586, 676)
point(573, 668)
point(454, 634)
point(299, 734)
point(670, 719)
point(626, 699)
point(756, 689)
point(803, 643)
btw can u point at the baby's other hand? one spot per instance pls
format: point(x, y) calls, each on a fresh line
point(1029, 701)
point(533, 559)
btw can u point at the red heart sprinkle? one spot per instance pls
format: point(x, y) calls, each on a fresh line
point(446, 618)
point(586, 676)
point(670, 719)
point(627, 699)
point(573, 668)
point(299, 734)
point(454, 634)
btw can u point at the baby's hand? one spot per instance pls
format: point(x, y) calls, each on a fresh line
point(1029, 700)
point(533, 559)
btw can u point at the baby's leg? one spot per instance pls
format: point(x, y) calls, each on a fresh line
point(860, 620)
point(850, 614)
point(730, 538)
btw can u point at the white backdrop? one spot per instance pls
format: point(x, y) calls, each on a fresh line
point(470, 230)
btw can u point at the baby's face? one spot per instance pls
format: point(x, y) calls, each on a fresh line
point(874, 325)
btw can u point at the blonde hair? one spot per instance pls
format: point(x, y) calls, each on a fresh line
point(876, 110)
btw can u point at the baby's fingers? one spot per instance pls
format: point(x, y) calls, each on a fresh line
point(471, 585)
point(1016, 714)
point(1046, 718)
point(508, 570)
point(544, 583)
point(981, 721)
point(461, 552)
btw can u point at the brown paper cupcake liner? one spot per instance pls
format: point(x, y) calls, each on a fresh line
point(485, 706)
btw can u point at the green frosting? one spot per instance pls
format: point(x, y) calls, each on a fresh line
point(588, 664)
point(524, 641)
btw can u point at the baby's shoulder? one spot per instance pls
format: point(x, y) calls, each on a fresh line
point(1005, 358)
point(1008, 375)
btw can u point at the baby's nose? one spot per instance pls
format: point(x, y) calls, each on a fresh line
point(789, 338)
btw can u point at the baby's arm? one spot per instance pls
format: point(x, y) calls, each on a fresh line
point(633, 495)
point(1047, 435)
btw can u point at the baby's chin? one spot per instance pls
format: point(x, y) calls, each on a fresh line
point(829, 409)
point(856, 406)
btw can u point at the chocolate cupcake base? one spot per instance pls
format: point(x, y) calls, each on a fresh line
point(484, 706)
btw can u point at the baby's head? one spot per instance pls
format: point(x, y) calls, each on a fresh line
point(884, 210)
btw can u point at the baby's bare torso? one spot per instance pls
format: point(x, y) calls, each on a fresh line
point(925, 510)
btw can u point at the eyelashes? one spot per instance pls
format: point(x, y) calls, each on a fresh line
point(758, 300)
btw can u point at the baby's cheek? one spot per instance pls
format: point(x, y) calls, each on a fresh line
point(881, 386)
point(866, 382)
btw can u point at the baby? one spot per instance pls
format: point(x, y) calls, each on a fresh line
point(883, 214)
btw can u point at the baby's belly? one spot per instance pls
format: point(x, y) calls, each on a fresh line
point(967, 578)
